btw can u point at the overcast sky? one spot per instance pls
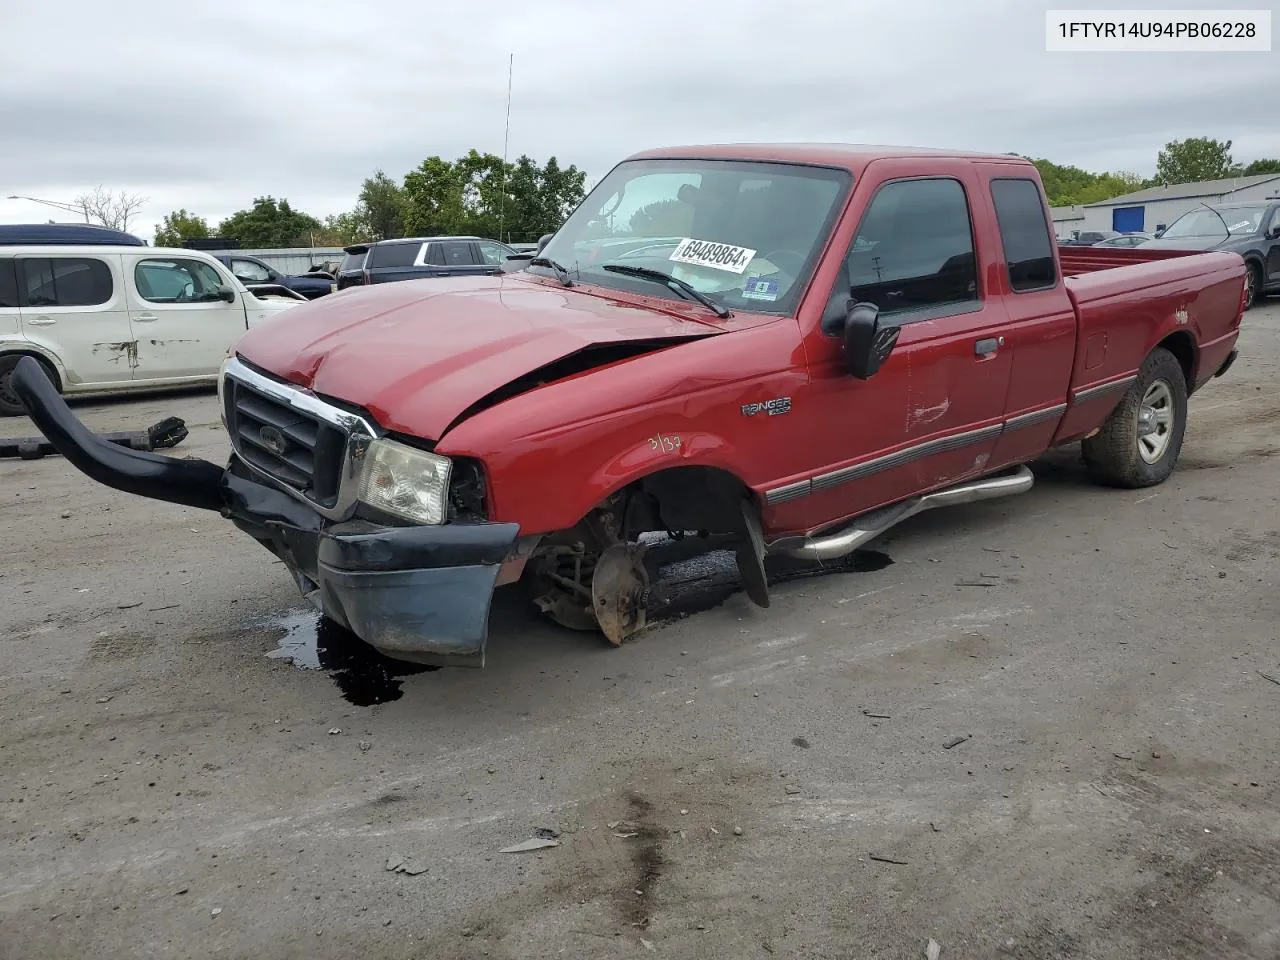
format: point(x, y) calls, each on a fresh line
point(207, 104)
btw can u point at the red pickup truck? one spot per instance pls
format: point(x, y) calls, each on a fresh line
point(786, 349)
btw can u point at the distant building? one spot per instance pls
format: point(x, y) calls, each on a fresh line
point(1149, 210)
point(1067, 221)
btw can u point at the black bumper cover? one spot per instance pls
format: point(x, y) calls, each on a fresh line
point(415, 593)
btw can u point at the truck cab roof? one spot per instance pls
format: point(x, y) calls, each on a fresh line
point(851, 156)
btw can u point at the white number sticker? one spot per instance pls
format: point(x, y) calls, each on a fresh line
point(718, 256)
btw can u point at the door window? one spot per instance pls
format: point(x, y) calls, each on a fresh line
point(250, 271)
point(914, 250)
point(393, 254)
point(1024, 234)
point(493, 253)
point(457, 253)
point(8, 284)
point(65, 282)
point(177, 280)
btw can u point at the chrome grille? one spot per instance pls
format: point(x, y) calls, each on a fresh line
point(288, 444)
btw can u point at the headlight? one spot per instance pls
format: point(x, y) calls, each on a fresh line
point(222, 399)
point(406, 482)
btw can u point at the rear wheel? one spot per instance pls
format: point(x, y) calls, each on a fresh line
point(1252, 285)
point(10, 405)
point(1139, 443)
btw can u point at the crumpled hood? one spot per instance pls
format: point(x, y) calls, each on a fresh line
point(417, 353)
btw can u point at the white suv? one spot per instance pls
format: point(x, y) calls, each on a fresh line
point(105, 318)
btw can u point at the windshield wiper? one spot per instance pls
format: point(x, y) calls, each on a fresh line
point(561, 273)
point(675, 283)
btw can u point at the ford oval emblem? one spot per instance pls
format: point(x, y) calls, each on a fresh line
point(272, 439)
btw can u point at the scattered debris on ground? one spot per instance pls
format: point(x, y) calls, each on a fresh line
point(535, 843)
point(169, 432)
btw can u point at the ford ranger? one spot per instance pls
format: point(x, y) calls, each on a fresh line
point(784, 350)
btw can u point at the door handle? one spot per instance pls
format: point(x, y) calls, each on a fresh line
point(41, 321)
point(146, 318)
point(985, 348)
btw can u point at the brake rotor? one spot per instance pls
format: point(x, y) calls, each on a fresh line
point(619, 589)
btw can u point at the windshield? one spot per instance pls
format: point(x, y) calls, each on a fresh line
point(1241, 221)
point(745, 234)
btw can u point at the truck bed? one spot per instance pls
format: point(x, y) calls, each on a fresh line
point(1128, 300)
point(1077, 260)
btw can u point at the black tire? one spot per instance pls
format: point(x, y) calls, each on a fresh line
point(10, 405)
point(1253, 286)
point(1114, 454)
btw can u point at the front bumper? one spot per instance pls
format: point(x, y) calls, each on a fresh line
point(415, 593)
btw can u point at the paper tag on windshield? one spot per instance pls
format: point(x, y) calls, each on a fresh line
point(717, 256)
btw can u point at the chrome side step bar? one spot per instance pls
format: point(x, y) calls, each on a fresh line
point(871, 525)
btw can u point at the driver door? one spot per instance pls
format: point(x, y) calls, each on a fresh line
point(932, 414)
point(182, 325)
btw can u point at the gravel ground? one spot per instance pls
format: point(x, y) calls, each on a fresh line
point(1029, 728)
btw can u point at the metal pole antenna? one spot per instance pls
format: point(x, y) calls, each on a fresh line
point(506, 139)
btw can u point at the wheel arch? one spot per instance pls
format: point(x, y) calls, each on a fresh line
point(691, 495)
point(1183, 347)
point(48, 359)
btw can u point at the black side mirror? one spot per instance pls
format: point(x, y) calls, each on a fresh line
point(1274, 232)
point(227, 294)
point(544, 240)
point(867, 341)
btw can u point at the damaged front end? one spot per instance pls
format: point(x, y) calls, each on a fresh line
point(380, 536)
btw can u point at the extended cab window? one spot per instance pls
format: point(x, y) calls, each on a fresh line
point(914, 249)
point(393, 255)
point(65, 282)
point(1024, 233)
point(176, 280)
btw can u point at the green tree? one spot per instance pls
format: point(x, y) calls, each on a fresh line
point(433, 199)
point(1261, 166)
point(1067, 186)
point(479, 194)
point(1196, 158)
point(381, 207)
point(342, 229)
point(270, 223)
point(178, 226)
point(562, 189)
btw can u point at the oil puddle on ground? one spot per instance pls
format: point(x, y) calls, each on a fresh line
point(364, 676)
point(703, 582)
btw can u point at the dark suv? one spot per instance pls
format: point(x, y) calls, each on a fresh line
point(417, 258)
point(1251, 229)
